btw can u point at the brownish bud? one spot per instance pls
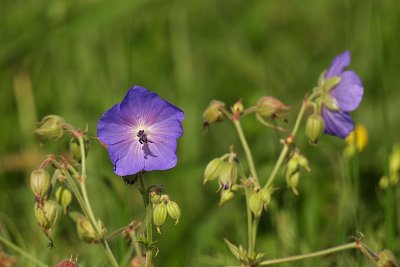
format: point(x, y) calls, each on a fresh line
point(268, 106)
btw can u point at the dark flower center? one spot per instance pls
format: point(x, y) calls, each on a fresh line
point(143, 137)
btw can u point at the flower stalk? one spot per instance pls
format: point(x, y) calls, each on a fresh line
point(88, 208)
point(149, 227)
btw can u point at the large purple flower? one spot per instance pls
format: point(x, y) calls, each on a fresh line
point(141, 132)
point(342, 97)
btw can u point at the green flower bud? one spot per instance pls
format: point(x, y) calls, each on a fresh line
point(212, 170)
point(40, 183)
point(46, 214)
point(51, 127)
point(238, 107)
point(265, 195)
point(86, 232)
point(64, 197)
point(270, 107)
point(255, 204)
point(386, 259)
point(174, 211)
point(226, 195)
point(314, 127)
point(155, 198)
point(303, 161)
point(159, 214)
point(291, 167)
point(293, 181)
point(228, 173)
point(75, 148)
point(213, 113)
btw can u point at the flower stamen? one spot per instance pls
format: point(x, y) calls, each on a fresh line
point(143, 137)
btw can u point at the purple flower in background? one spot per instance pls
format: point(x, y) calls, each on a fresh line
point(141, 132)
point(343, 97)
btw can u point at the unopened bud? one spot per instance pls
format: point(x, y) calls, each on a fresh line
point(75, 148)
point(293, 182)
point(64, 197)
point(265, 195)
point(174, 211)
point(291, 167)
point(159, 214)
point(228, 173)
point(302, 161)
point(85, 230)
point(155, 198)
point(213, 113)
point(268, 106)
point(51, 127)
point(46, 214)
point(40, 183)
point(386, 259)
point(238, 107)
point(213, 170)
point(255, 204)
point(314, 127)
point(226, 195)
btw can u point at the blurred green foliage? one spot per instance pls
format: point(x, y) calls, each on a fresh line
point(77, 58)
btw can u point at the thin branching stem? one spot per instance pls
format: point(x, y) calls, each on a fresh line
point(149, 230)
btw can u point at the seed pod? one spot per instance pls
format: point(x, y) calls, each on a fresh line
point(86, 231)
point(212, 170)
point(268, 106)
point(51, 128)
point(159, 214)
point(40, 183)
point(255, 204)
point(174, 211)
point(314, 127)
point(46, 214)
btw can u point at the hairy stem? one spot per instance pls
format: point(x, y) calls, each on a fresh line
point(149, 226)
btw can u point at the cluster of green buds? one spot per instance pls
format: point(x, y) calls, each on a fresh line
point(292, 172)
point(259, 199)
point(225, 169)
point(46, 211)
point(163, 206)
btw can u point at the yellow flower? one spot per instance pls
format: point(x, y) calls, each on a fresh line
point(356, 141)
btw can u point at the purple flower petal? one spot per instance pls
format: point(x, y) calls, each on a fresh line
point(338, 64)
point(141, 133)
point(337, 123)
point(113, 127)
point(349, 92)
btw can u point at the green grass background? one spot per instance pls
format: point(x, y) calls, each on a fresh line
point(77, 58)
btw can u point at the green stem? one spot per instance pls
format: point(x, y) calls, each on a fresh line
point(285, 149)
point(246, 149)
point(251, 224)
point(149, 226)
point(97, 228)
point(22, 252)
point(249, 221)
point(353, 245)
